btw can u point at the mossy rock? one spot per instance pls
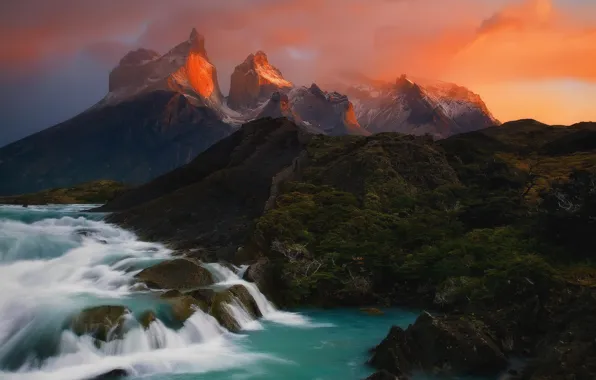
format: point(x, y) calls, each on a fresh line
point(234, 293)
point(203, 295)
point(180, 274)
point(185, 306)
point(103, 323)
point(221, 313)
point(146, 318)
point(246, 299)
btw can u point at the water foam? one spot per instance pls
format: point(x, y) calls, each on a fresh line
point(52, 267)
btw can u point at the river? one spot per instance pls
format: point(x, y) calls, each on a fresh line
point(57, 260)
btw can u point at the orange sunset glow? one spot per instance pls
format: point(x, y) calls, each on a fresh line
point(525, 58)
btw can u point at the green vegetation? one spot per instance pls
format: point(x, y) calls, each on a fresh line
point(465, 222)
point(90, 192)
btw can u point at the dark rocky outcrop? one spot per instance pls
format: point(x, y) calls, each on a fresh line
point(277, 106)
point(114, 374)
point(382, 375)
point(213, 201)
point(329, 112)
point(103, 323)
point(179, 274)
point(450, 345)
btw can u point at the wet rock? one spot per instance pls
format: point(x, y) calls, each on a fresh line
point(184, 306)
point(203, 295)
point(246, 299)
point(439, 344)
point(103, 323)
point(235, 293)
point(181, 274)
point(260, 273)
point(147, 318)
point(382, 375)
point(114, 374)
point(221, 313)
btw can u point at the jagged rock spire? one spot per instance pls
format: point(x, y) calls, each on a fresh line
point(254, 81)
point(197, 42)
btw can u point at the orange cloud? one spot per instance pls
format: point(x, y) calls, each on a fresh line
point(533, 40)
point(475, 43)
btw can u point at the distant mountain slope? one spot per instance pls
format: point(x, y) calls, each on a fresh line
point(160, 112)
point(132, 142)
point(416, 106)
point(163, 110)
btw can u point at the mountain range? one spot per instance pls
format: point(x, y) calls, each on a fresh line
point(163, 110)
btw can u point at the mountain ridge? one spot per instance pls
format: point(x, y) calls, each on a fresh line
point(193, 114)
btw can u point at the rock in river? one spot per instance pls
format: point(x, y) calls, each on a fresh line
point(180, 274)
point(448, 345)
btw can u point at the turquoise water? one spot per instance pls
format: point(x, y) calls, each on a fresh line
point(338, 349)
point(57, 260)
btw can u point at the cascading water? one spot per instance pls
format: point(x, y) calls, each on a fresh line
point(55, 262)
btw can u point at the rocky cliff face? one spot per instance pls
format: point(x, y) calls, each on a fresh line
point(185, 69)
point(329, 112)
point(253, 82)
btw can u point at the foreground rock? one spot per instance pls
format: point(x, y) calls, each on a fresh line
point(103, 323)
point(180, 274)
point(382, 375)
point(236, 294)
point(184, 305)
point(114, 374)
point(444, 345)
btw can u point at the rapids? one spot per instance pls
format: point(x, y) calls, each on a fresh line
point(57, 260)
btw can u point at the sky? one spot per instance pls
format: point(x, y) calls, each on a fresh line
point(526, 58)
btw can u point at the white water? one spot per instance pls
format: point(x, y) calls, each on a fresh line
point(53, 266)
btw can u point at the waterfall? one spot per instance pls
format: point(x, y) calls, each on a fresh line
point(55, 262)
point(228, 278)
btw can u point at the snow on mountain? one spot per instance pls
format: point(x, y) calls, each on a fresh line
point(258, 89)
point(416, 106)
point(330, 112)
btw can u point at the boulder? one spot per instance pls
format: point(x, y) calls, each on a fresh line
point(203, 295)
point(382, 375)
point(183, 305)
point(146, 318)
point(260, 273)
point(221, 313)
point(180, 274)
point(103, 323)
point(440, 344)
point(115, 374)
